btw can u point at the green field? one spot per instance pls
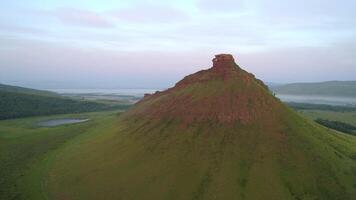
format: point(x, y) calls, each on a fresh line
point(121, 164)
point(27, 151)
point(84, 161)
point(347, 117)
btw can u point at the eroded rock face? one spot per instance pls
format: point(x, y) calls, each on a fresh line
point(223, 61)
point(223, 58)
point(224, 94)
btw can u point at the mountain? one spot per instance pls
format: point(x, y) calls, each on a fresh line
point(18, 102)
point(330, 88)
point(235, 96)
point(217, 134)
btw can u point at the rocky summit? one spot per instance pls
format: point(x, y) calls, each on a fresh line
point(224, 93)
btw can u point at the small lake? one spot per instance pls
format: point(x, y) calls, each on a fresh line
point(57, 122)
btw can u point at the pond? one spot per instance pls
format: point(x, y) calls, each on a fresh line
point(57, 122)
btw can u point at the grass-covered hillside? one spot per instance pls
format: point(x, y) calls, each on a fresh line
point(218, 134)
point(330, 88)
point(340, 118)
point(141, 161)
point(41, 163)
point(27, 151)
point(18, 102)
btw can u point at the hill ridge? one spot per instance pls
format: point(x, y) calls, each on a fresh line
point(327, 88)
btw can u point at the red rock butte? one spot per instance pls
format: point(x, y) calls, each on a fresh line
point(225, 93)
point(221, 59)
point(223, 62)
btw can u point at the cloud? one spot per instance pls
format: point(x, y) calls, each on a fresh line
point(279, 40)
point(221, 5)
point(287, 15)
point(151, 14)
point(297, 64)
point(307, 8)
point(80, 17)
point(20, 29)
point(310, 14)
point(35, 61)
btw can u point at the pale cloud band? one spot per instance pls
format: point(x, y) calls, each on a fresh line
point(278, 35)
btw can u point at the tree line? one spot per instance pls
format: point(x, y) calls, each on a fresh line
point(336, 125)
point(16, 105)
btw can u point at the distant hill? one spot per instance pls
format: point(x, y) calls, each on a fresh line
point(330, 88)
point(273, 84)
point(22, 90)
point(18, 102)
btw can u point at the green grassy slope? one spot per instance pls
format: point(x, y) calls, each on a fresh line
point(341, 118)
point(345, 117)
point(27, 150)
point(331, 88)
point(218, 134)
point(299, 160)
point(210, 137)
point(21, 102)
point(106, 161)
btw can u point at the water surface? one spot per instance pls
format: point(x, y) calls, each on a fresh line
point(57, 122)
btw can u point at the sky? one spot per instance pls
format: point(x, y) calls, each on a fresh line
point(153, 44)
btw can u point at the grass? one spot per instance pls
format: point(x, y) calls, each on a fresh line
point(136, 160)
point(346, 117)
point(110, 159)
point(27, 150)
point(215, 135)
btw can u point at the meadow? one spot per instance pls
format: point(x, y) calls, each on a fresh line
point(27, 150)
point(31, 156)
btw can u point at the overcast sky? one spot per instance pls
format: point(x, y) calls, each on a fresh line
point(153, 44)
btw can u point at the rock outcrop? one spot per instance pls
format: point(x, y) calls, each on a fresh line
point(224, 93)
